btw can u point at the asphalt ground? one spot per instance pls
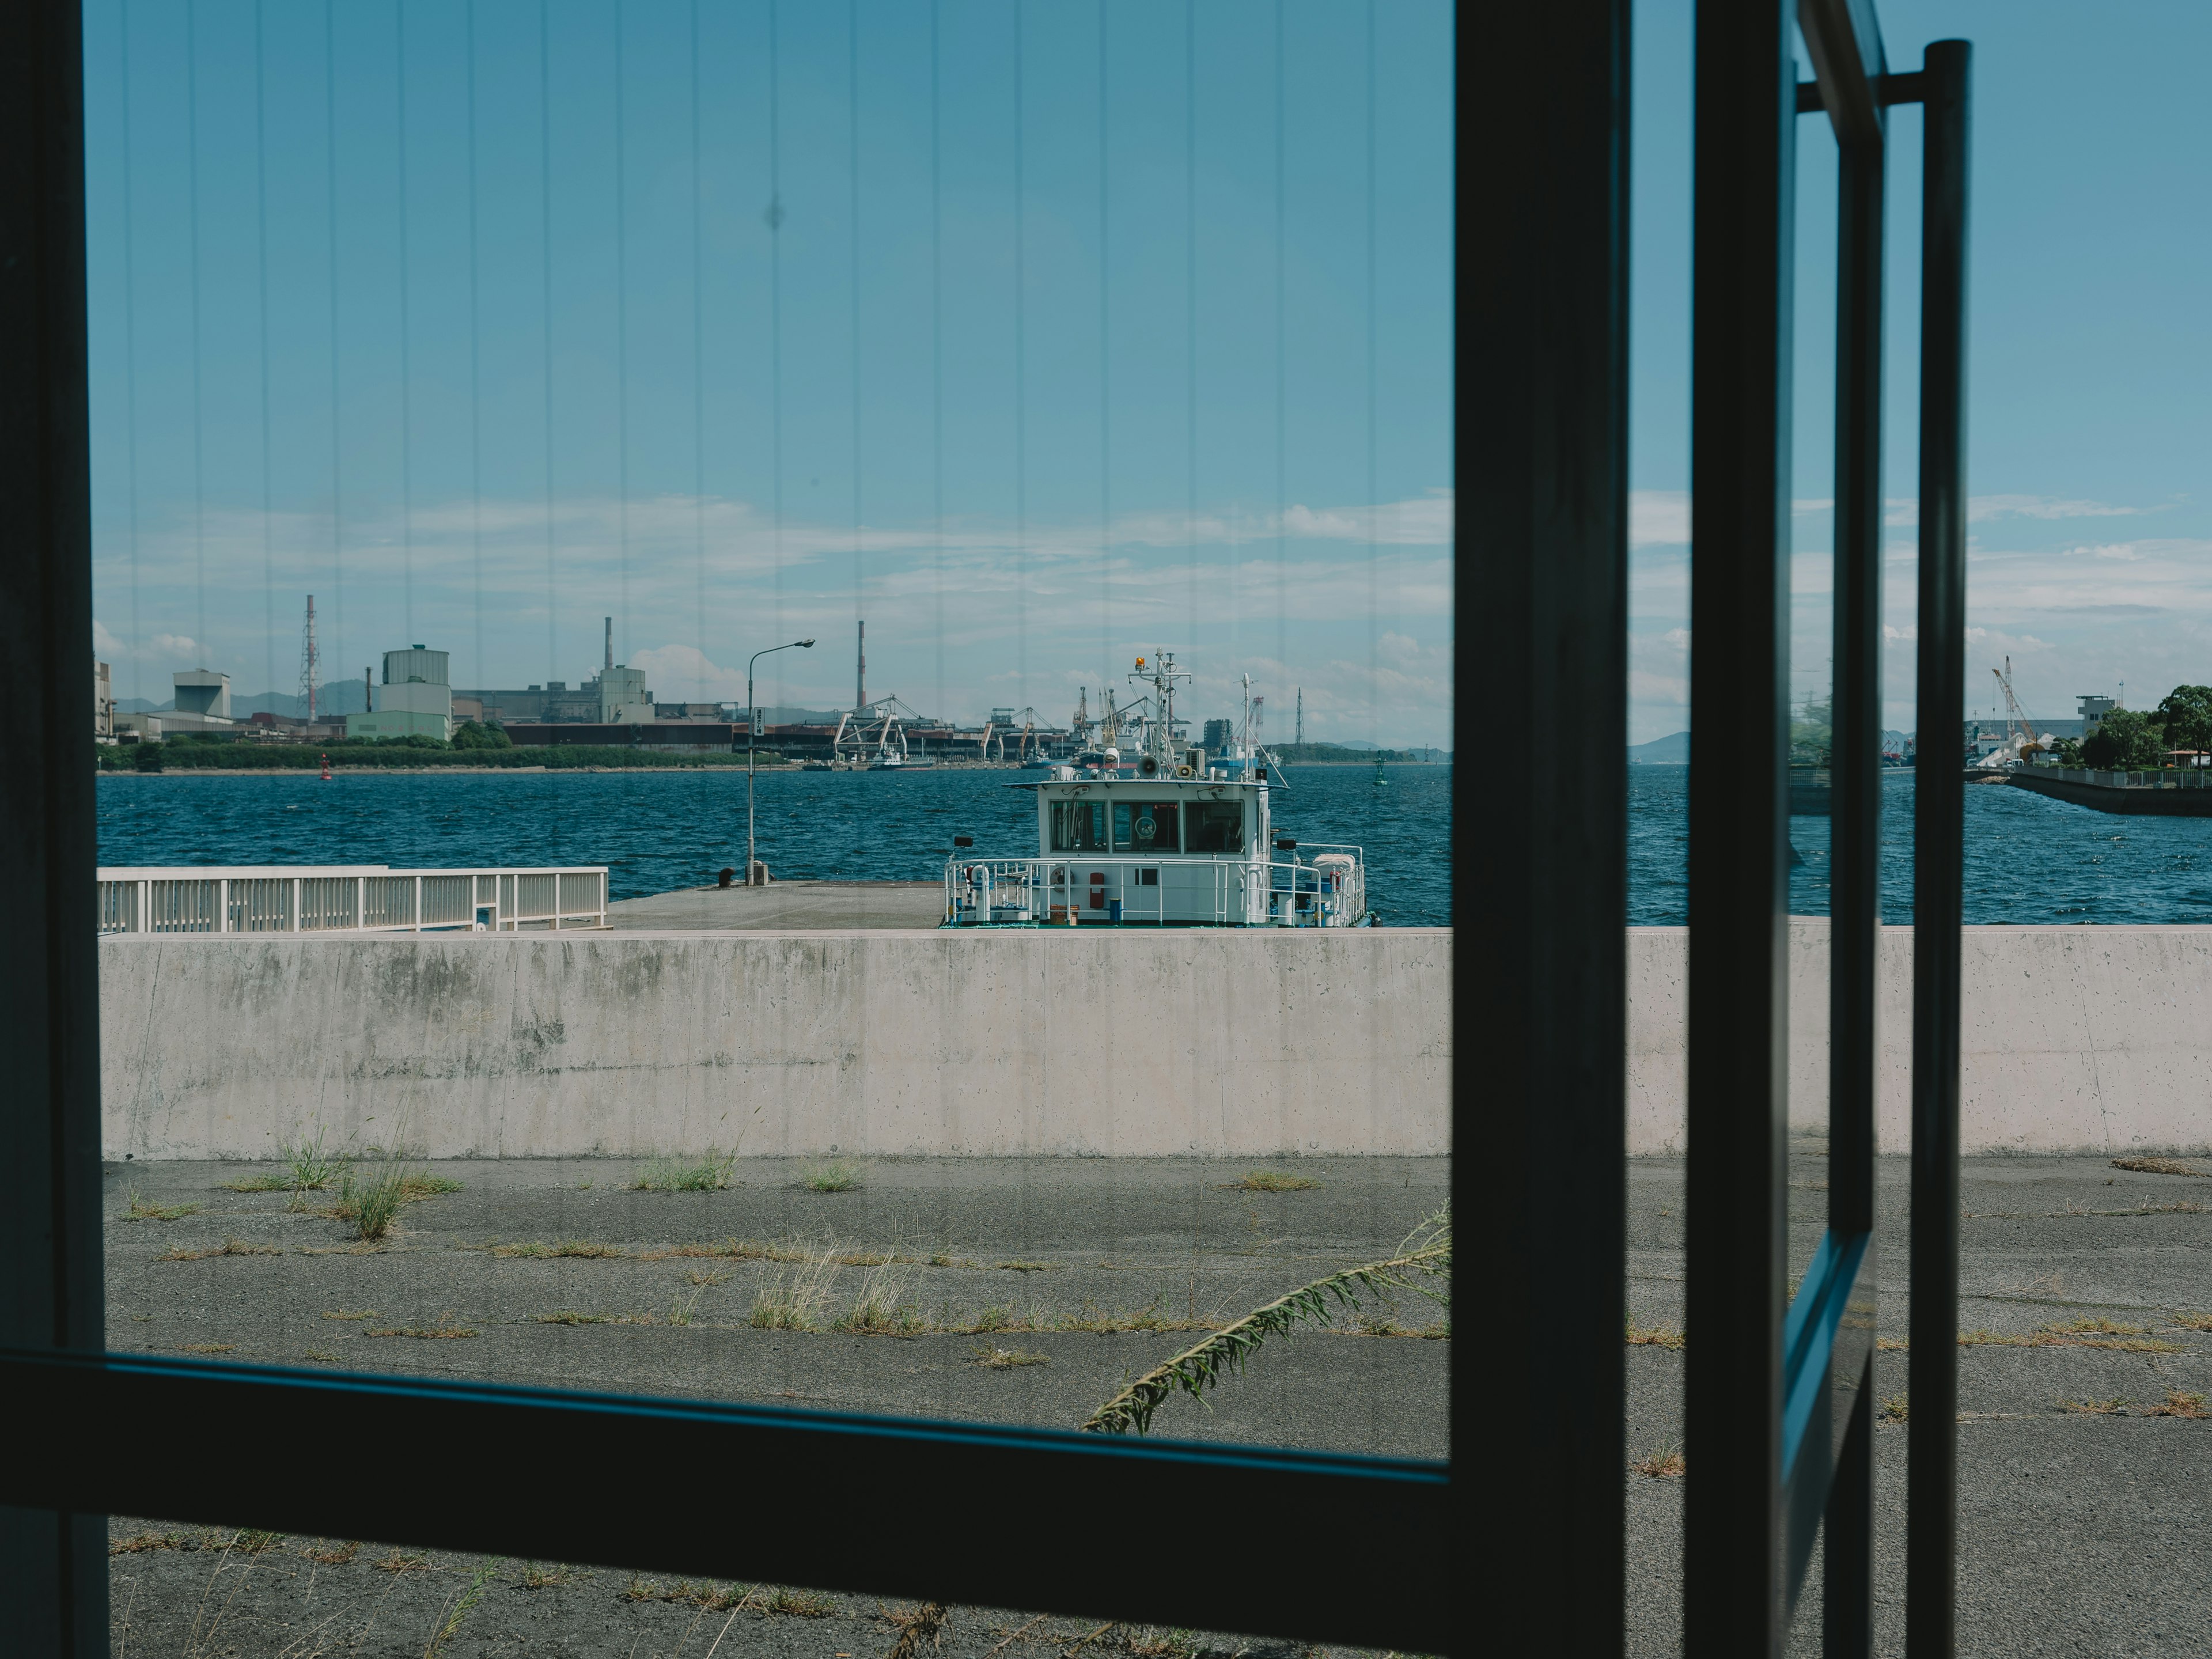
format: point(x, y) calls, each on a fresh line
point(801, 905)
point(2082, 1531)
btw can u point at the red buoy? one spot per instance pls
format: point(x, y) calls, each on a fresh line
point(326, 769)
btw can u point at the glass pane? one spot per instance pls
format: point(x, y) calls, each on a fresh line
point(796, 502)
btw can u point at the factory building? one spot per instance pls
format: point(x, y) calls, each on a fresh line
point(617, 696)
point(203, 704)
point(416, 699)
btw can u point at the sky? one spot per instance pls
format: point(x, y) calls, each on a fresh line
point(1040, 337)
point(2089, 432)
point(737, 327)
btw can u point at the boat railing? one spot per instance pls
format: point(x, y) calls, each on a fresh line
point(351, 899)
point(1327, 890)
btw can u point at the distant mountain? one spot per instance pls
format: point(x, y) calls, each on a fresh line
point(337, 697)
point(1662, 751)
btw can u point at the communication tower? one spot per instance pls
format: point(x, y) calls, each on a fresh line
point(310, 661)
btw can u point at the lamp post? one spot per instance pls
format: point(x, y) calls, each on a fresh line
point(752, 725)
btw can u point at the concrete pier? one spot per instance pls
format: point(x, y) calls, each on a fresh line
point(1091, 1043)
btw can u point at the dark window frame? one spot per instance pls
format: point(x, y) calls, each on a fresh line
point(1523, 1551)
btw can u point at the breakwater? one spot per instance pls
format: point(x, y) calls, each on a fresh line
point(2177, 794)
point(1093, 1042)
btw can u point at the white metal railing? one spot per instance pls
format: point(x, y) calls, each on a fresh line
point(1329, 890)
point(349, 898)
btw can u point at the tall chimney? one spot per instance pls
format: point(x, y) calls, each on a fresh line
point(860, 673)
point(611, 642)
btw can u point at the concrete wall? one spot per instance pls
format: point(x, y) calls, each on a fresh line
point(1086, 1043)
point(1231, 1044)
point(2072, 1039)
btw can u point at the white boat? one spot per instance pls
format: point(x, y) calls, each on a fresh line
point(1165, 836)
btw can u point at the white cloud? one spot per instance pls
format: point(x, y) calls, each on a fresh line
point(1658, 518)
point(1677, 637)
point(1982, 507)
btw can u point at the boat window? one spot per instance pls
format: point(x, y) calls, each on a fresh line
point(1145, 826)
point(1079, 826)
point(1217, 826)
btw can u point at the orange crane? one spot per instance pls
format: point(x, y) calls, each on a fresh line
point(2030, 742)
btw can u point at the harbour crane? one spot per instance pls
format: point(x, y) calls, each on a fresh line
point(2020, 736)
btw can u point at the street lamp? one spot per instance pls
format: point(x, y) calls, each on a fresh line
point(752, 725)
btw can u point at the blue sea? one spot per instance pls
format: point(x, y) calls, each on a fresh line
point(2028, 859)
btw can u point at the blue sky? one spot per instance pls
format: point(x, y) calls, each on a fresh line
point(463, 477)
point(2089, 429)
point(692, 465)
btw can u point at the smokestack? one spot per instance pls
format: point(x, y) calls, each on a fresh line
point(611, 642)
point(860, 673)
point(368, 687)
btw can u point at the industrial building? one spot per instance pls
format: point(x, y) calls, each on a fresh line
point(103, 703)
point(203, 704)
point(416, 699)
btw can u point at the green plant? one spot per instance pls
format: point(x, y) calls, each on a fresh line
point(1425, 1252)
point(1271, 1180)
point(2092, 1407)
point(139, 1209)
point(710, 1174)
point(460, 1606)
point(2159, 1166)
point(1896, 1408)
point(917, 1627)
point(797, 1297)
point(837, 1177)
point(371, 1204)
point(1665, 1464)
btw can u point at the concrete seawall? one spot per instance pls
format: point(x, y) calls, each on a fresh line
point(1089, 1043)
point(1224, 1045)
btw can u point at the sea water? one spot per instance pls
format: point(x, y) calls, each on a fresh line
point(2028, 859)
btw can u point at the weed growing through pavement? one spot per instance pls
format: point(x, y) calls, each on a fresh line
point(1896, 1408)
point(704, 1276)
point(1654, 1336)
point(2075, 1334)
point(710, 1174)
point(460, 1605)
point(444, 1328)
point(1892, 1343)
point(228, 1247)
point(880, 1307)
point(2178, 1404)
point(319, 1357)
point(2193, 1321)
point(550, 1575)
point(308, 1167)
point(797, 1297)
point(917, 1627)
point(209, 1347)
point(837, 1177)
point(139, 1209)
point(2092, 1407)
point(1007, 1360)
point(1665, 1464)
point(2158, 1166)
point(1270, 1180)
point(400, 1561)
point(333, 1555)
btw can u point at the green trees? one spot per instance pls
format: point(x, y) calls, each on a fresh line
point(490, 735)
point(2185, 717)
point(2126, 740)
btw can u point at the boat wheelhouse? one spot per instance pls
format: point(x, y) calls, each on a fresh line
point(1165, 837)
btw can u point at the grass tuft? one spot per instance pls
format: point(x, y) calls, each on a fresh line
point(2177, 1404)
point(444, 1328)
point(140, 1542)
point(399, 1561)
point(1007, 1360)
point(881, 1308)
point(1270, 1180)
point(334, 1555)
point(575, 1246)
point(2075, 1334)
point(710, 1174)
point(1665, 1464)
point(2092, 1407)
point(550, 1575)
point(139, 1209)
point(2194, 1321)
point(918, 1627)
point(228, 1247)
point(320, 1356)
point(1896, 1409)
point(837, 1177)
point(2158, 1166)
point(1655, 1336)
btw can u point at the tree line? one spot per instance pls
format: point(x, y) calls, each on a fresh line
point(2142, 741)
